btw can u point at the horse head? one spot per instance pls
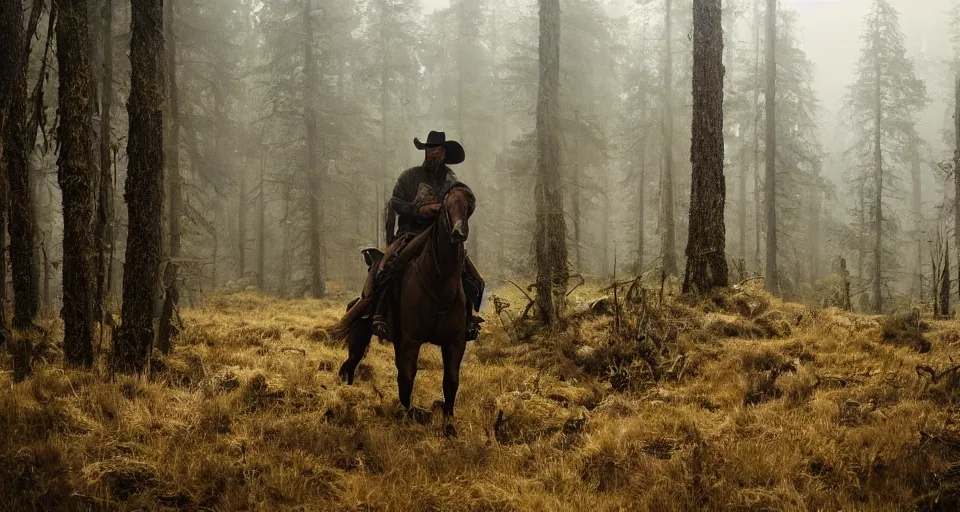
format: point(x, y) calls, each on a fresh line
point(458, 205)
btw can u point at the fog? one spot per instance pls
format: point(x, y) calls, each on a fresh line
point(285, 143)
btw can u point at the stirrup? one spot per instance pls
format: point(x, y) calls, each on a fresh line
point(380, 328)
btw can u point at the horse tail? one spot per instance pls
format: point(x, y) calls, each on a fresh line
point(341, 330)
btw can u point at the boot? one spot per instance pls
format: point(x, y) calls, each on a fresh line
point(473, 327)
point(473, 323)
point(380, 328)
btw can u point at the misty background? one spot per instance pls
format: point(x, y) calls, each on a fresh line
point(266, 203)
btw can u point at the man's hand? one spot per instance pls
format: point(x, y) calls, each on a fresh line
point(430, 210)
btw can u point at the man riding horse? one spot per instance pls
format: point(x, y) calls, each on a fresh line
point(414, 206)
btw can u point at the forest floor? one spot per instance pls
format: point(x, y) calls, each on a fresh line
point(739, 402)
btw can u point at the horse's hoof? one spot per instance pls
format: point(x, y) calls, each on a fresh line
point(449, 430)
point(346, 376)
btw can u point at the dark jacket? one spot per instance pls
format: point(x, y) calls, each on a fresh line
point(403, 203)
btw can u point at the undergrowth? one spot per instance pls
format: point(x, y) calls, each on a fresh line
point(737, 401)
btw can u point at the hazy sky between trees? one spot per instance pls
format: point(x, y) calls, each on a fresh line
point(830, 33)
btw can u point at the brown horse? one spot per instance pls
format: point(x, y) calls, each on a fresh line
point(426, 304)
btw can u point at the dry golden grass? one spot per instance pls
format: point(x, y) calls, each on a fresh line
point(739, 402)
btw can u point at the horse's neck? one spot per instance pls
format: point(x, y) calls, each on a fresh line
point(441, 261)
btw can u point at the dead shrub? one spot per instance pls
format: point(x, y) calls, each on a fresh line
point(906, 330)
point(122, 477)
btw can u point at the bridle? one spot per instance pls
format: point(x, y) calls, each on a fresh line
point(444, 226)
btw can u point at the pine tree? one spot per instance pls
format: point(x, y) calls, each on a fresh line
point(144, 186)
point(76, 181)
point(550, 238)
point(706, 260)
point(16, 150)
point(881, 104)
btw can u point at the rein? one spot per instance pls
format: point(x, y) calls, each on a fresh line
point(440, 227)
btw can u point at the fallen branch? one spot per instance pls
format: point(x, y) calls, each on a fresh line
point(581, 283)
point(934, 376)
point(300, 351)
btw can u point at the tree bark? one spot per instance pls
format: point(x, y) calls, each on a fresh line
point(878, 198)
point(317, 284)
point(104, 226)
point(945, 281)
point(75, 176)
point(463, 30)
point(144, 186)
point(815, 219)
point(641, 205)
point(758, 218)
point(669, 248)
point(11, 19)
point(770, 183)
point(917, 212)
point(550, 239)
point(575, 195)
point(261, 229)
point(20, 223)
point(172, 157)
point(956, 169)
point(706, 259)
point(242, 226)
point(287, 243)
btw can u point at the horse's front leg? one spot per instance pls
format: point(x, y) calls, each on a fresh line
point(359, 340)
point(406, 352)
point(452, 357)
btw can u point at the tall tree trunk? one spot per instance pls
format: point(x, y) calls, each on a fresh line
point(770, 178)
point(172, 150)
point(287, 242)
point(862, 233)
point(917, 213)
point(605, 235)
point(945, 281)
point(641, 204)
point(262, 229)
point(144, 187)
point(242, 226)
point(757, 199)
point(76, 181)
point(104, 226)
point(169, 325)
point(550, 243)
point(384, 108)
point(11, 19)
point(956, 172)
point(815, 220)
point(706, 260)
point(317, 284)
point(669, 247)
point(473, 243)
point(575, 193)
point(878, 198)
point(20, 222)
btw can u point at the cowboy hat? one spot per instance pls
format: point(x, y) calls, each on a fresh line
point(454, 150)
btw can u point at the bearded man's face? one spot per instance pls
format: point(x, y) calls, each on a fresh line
point(435, 157)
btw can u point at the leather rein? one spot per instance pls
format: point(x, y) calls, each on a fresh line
point(445, 227)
